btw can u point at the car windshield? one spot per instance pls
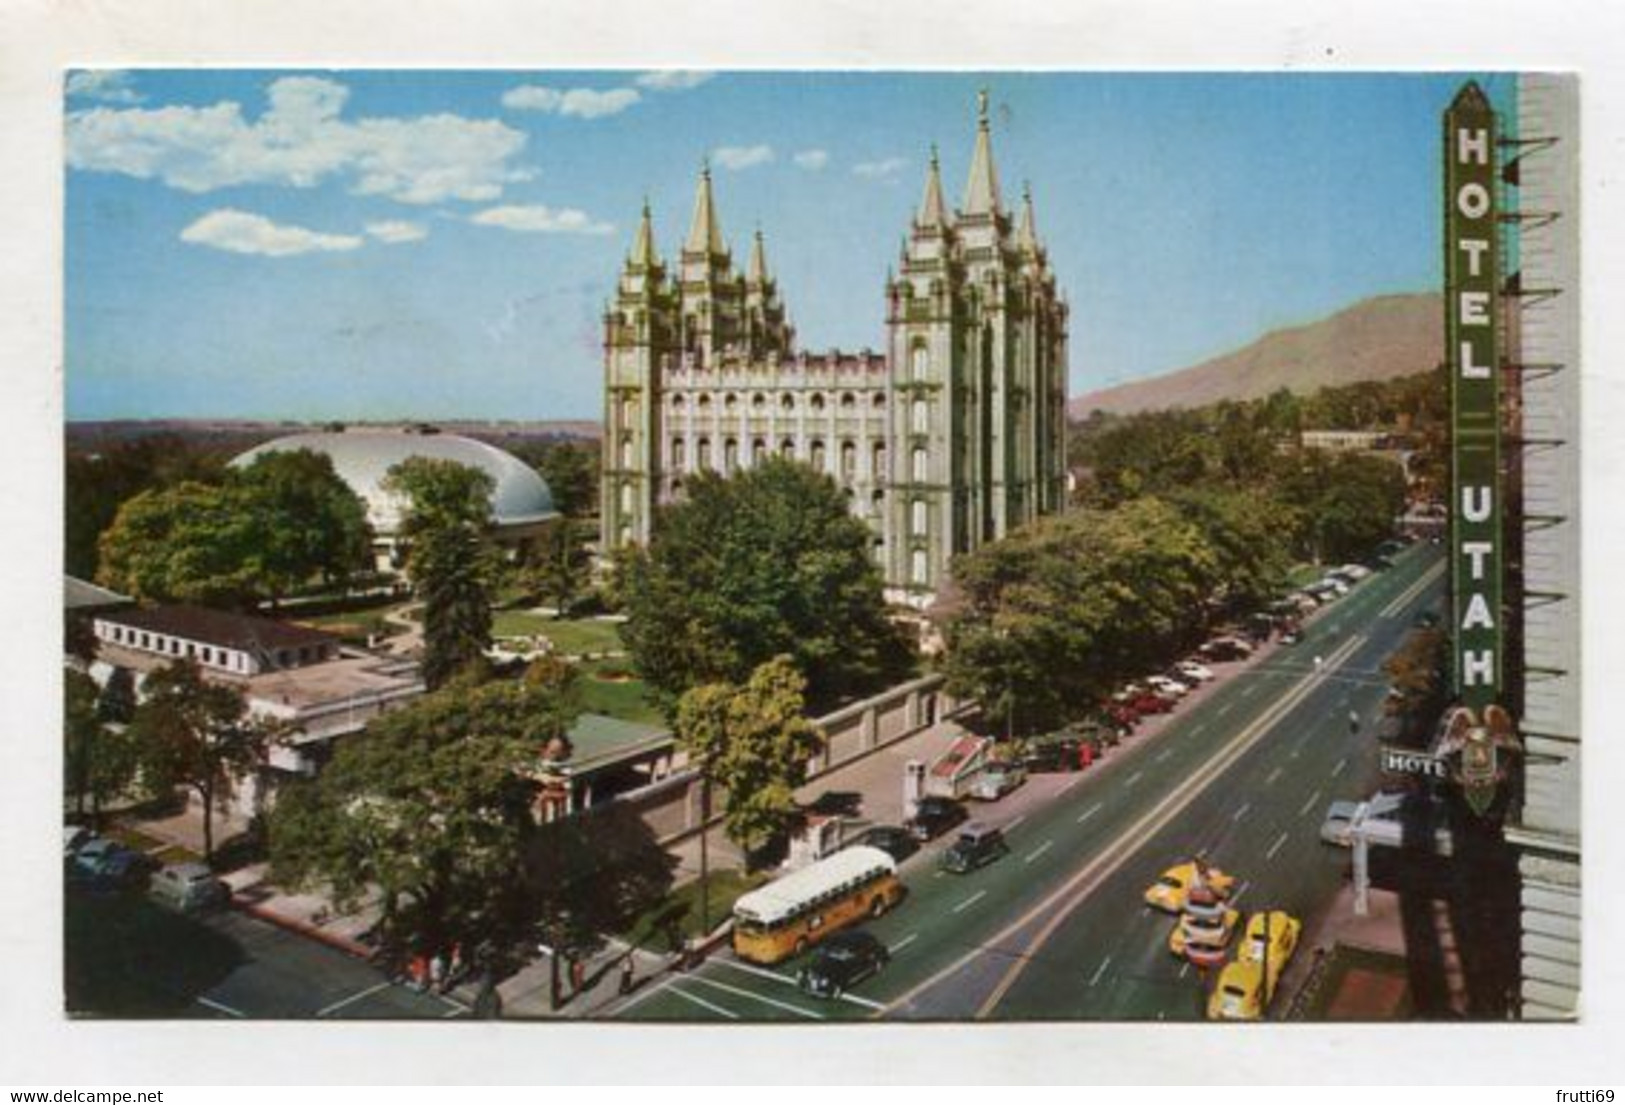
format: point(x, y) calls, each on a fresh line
point(1173, 882)
point(840, 952)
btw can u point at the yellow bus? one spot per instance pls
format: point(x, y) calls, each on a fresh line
point(789, 915)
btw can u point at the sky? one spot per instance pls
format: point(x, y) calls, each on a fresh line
point(391, 244)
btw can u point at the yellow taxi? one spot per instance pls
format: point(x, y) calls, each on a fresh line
point(1270, 938)
point(1245, 988)
point(1170, 891)
point(1239, 994)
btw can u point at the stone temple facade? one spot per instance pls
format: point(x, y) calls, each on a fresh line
point(950, 439)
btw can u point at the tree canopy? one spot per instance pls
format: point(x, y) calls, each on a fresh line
point(754, 741)
point(189, 732)
point(765, 563)
point(1043, 624)
point(261, 532)
point(450, 559)
point(433, 808)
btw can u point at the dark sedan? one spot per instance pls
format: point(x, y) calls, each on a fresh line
point(841, 962)
point(935, 816)
point(896, 841)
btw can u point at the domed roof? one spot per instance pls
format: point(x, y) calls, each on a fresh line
point(363, 457)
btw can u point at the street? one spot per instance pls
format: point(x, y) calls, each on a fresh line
point(1057, 929)
point(131, 958)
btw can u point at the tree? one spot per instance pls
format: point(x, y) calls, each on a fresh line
point(571, 471)
point(192, 542)
point(766, 563)
point(755, 742)
point(98, 760)
point(310, 523)
point(560, 566)
point(1041, 625)
point(192, 733)
point(99, 482)
point(262, 532)
point(450, 559)
point(432, 808)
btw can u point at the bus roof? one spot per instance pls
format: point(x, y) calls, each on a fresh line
point(783, 897)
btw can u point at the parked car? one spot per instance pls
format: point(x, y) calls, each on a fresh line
point(934, 816)
point(114, 871)
point(976, 846)
point(189, 887)
point(841, 962)
point(896, 841)
point(1163, 685)
point(1052, 755)
point(1292, 635)
point(1226, 648)
point(74, 837)
point(996, 780)
point(1270, 937)
point(92, 853)
point(1190, 669)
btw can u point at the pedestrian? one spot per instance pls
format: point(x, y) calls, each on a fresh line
point(1354, 722)
point(1317, 663)
point(626, 974)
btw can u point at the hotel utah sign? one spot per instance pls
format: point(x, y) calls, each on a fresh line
point(1472, 310)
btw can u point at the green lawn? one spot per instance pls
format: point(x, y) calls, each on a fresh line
point(627, 699)
point(355, 625)
point(571, 637)
point(684, 904)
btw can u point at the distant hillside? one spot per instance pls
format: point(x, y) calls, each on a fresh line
point(237, 434)
point(1376, 339)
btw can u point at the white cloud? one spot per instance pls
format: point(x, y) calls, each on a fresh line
point(812, 159)
point(583, 103)
point(395, 232)
point(674, 80)
point(541, 220)
point(242, 232)
point(881, 170)
point(110, 86)
point(300, 141)
point(742, 157)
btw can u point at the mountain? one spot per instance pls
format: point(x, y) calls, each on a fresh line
point(1376, 339)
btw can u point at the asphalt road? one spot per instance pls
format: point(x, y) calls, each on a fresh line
point(1057, 929)
point(128, 957)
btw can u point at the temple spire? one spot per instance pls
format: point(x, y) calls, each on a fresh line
point(757, 270)
point(704, 232)
point(643, 245)
point(1027, 232)
point(933, 211)
point(982, 190)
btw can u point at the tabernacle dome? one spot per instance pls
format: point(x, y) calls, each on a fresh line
point(521, 504)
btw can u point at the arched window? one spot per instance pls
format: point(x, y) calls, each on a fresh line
point(818, 401)
point(917, 524)
point(677, 402)
point(848, 400)
point(787, 401)
point(679, 454)
point(626, 452)
point(849, 460)
point(818, 454)
point(705, 402)
point(729, 402)
point(879, 401)
point(919, 363)
point(920, 417)
point(629, 413)
point(787, 448)
point(920, 466)
point(878, 460)
point(758, 452)
point(626, 498)
point(917, 570)
point(758, 401)
point(730, 456)
point(702, 455)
